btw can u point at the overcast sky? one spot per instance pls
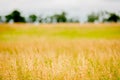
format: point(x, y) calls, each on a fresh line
point(72, 7)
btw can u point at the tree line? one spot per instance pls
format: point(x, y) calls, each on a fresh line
point(16, 16)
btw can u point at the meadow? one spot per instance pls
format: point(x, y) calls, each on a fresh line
point(60, 51)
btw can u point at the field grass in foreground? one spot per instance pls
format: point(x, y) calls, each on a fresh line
point(59, 53)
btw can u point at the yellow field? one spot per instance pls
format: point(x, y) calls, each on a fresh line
point(47, 57)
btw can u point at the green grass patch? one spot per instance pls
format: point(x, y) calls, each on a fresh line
point(16, 33)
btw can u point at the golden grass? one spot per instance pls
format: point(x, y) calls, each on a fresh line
point(57, 59)
point(45, 57)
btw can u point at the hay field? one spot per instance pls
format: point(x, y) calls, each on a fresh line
point(60, 52)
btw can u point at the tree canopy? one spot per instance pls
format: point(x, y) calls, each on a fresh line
point(15, 16)
point(32, 18)
point(93, 17)
point(113, 17)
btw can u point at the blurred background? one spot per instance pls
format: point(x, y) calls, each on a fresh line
point(53, 11)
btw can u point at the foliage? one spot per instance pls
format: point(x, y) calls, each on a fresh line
point(59, 17)
point(1, 19)
point(32, 18)
point(15, 16)
point(8, 18)
point(72, 20)
point(113, 17)
point(93, 17)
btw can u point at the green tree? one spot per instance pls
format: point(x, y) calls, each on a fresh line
point(59, 17)
point(73, 20)
point(62, 17)
point(40, 19)
point(92, 17)
point(32, 18)
point(15, 16)
point(113, 17)
point(1, 19)
point(8, 18)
